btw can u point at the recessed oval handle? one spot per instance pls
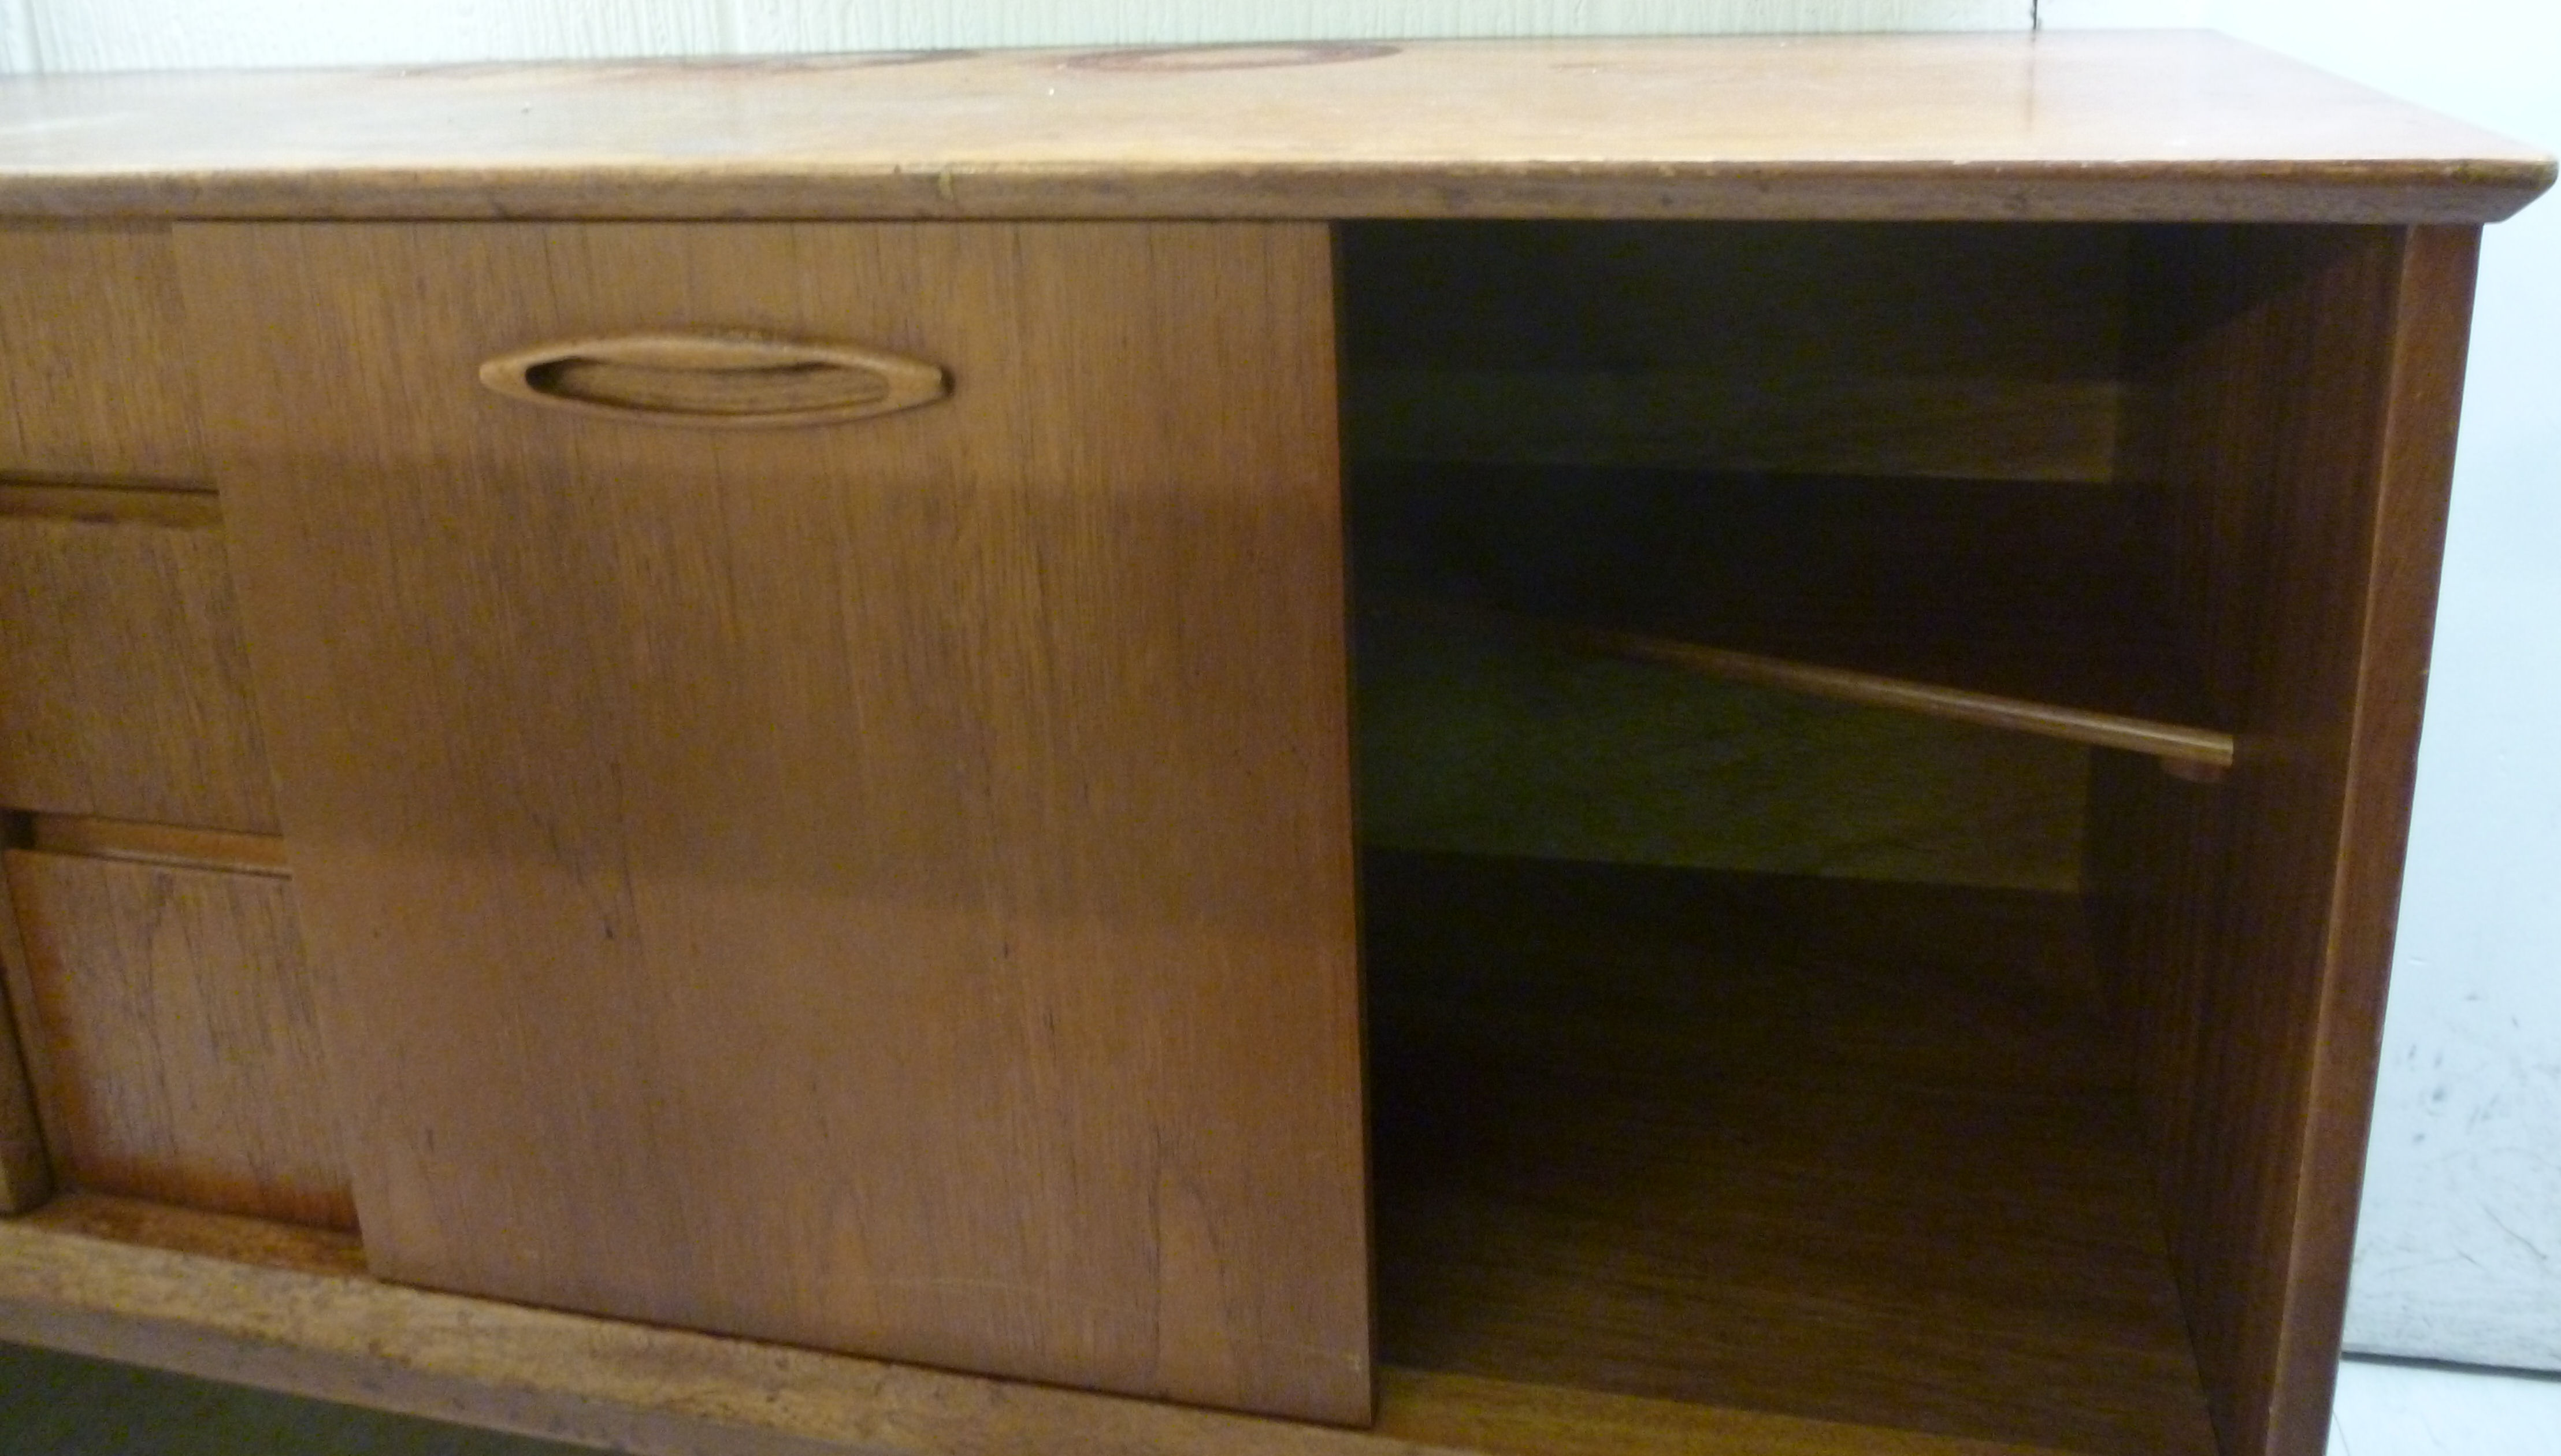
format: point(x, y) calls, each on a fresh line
point(720, 380)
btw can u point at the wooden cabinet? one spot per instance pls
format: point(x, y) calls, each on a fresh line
point(812, 702)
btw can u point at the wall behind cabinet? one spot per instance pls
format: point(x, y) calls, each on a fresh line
point(127, 35)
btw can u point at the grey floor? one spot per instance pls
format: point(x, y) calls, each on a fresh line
point(2386, 1409)
point(57, 1405)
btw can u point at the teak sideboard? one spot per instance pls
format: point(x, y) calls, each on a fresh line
point(677, 740)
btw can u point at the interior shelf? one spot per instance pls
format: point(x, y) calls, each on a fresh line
point(1849, 1151)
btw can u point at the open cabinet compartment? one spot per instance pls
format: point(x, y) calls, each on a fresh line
point(1969, 1089)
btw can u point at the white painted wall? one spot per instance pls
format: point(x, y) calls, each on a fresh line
point(2461, 1253)
point(899, 24)
point(17, 38)
point(125, 35)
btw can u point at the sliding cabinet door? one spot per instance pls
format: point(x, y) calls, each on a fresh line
point(814, 760)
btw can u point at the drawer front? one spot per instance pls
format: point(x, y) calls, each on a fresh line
point(123, 680)
point(169, 1022)
point(881, 885)
point(93, 378)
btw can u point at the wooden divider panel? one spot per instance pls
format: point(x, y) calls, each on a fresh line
point(883, 886)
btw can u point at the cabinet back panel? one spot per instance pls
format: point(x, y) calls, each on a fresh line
point(884, 887)
point(1934, 350)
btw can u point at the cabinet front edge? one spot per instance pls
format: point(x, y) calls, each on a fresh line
point(1951, 191)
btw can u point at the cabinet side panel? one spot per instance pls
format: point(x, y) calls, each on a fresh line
point(883, 886)
point(2302, 387)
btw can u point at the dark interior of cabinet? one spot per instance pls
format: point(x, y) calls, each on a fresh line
point(1735, 1047)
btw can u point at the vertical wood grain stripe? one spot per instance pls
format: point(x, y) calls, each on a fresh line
point(26, 1172)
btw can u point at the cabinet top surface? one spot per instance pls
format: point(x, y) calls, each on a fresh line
point(2093, 125)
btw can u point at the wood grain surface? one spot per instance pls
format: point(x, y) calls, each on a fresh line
point(124, 686)
point(1438, 1410)
point(93, 369)
point(2303, 386)
point(1960, 351)
point(1835, 1150)
point(885, 887)
point(2008, 127)
point(177, 1054)
point(236, 1299)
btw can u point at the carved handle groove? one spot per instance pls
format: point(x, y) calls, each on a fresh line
point(719, 379)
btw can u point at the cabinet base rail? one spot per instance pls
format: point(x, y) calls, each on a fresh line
point(289, 1309)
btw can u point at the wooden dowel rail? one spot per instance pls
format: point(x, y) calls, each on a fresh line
point(2201, 754)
